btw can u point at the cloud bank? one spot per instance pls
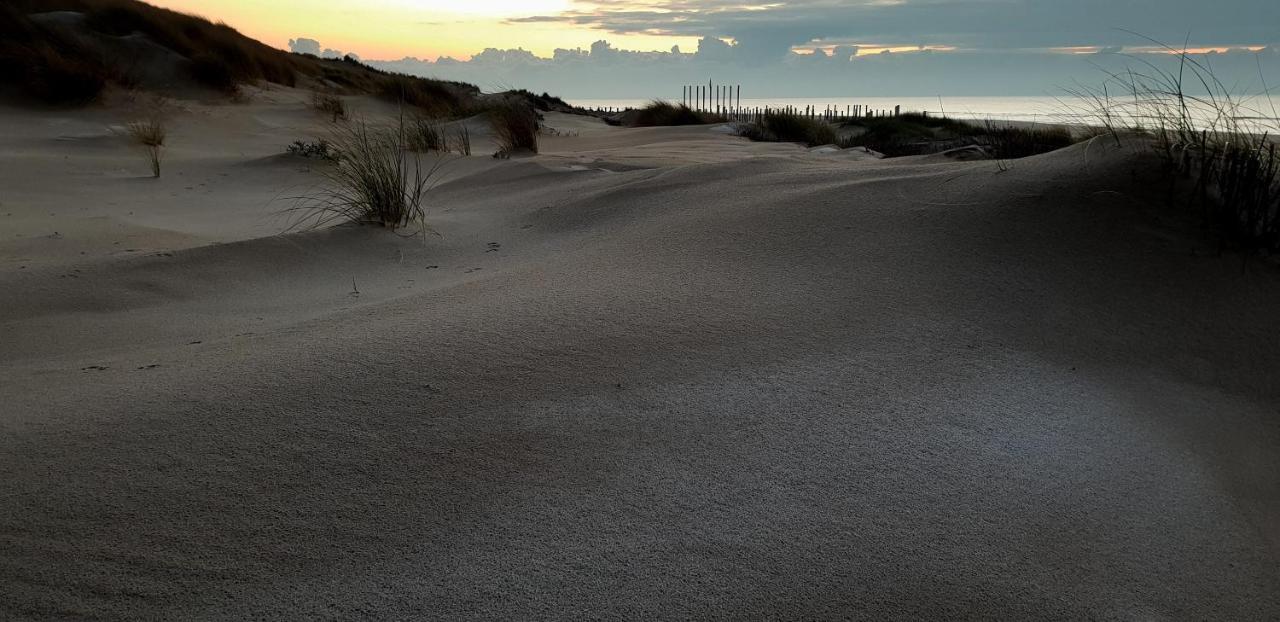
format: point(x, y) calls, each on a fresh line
point(605, 72)
point(874, 47)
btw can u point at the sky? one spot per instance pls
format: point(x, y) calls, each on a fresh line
point(632, 48)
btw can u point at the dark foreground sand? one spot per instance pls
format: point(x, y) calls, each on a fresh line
point(785, 386)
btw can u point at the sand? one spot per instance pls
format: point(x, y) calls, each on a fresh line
point(650, 373)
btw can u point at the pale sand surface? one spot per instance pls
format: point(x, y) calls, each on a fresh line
point(649, 373)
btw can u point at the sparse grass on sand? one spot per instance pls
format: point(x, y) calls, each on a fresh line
point(664, 114)
point(1214, 143)
point(376, 180)
point(515, 127)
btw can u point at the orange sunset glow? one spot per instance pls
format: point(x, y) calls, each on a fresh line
point(419, 28)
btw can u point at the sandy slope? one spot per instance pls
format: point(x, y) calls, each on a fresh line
point(651, 373)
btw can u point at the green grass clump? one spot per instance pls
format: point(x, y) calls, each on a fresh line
point(906, 134)
point(791, 128)
point(376, 180)
point(917, 134)
point(665, 114)
point(515, 127)
point(1008, 143)
point(1217, 145)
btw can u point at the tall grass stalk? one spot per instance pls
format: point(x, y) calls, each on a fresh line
point(462, 139)
point(1207, 135)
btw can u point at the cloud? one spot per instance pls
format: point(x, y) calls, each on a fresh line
point(607, 71)
point(302, 45)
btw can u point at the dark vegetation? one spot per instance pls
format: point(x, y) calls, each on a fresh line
point(791, 128)
point(515, 127)
point(314, 150)
point(426, 134)
point(544, 102)
point(662, 114)
point(56, 62)
point(909, 134)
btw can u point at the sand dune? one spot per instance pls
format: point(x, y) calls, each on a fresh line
point(648, 373)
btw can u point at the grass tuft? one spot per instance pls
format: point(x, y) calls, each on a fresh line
point(377, 180)
point(150, 132)
point(462, 139)
point(1217, 145)
point(515, 127)
point(427, 134)
point(329, 104)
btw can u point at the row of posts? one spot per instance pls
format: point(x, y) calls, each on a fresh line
point(726, 100)
point(722, 99)
point(831, 114)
